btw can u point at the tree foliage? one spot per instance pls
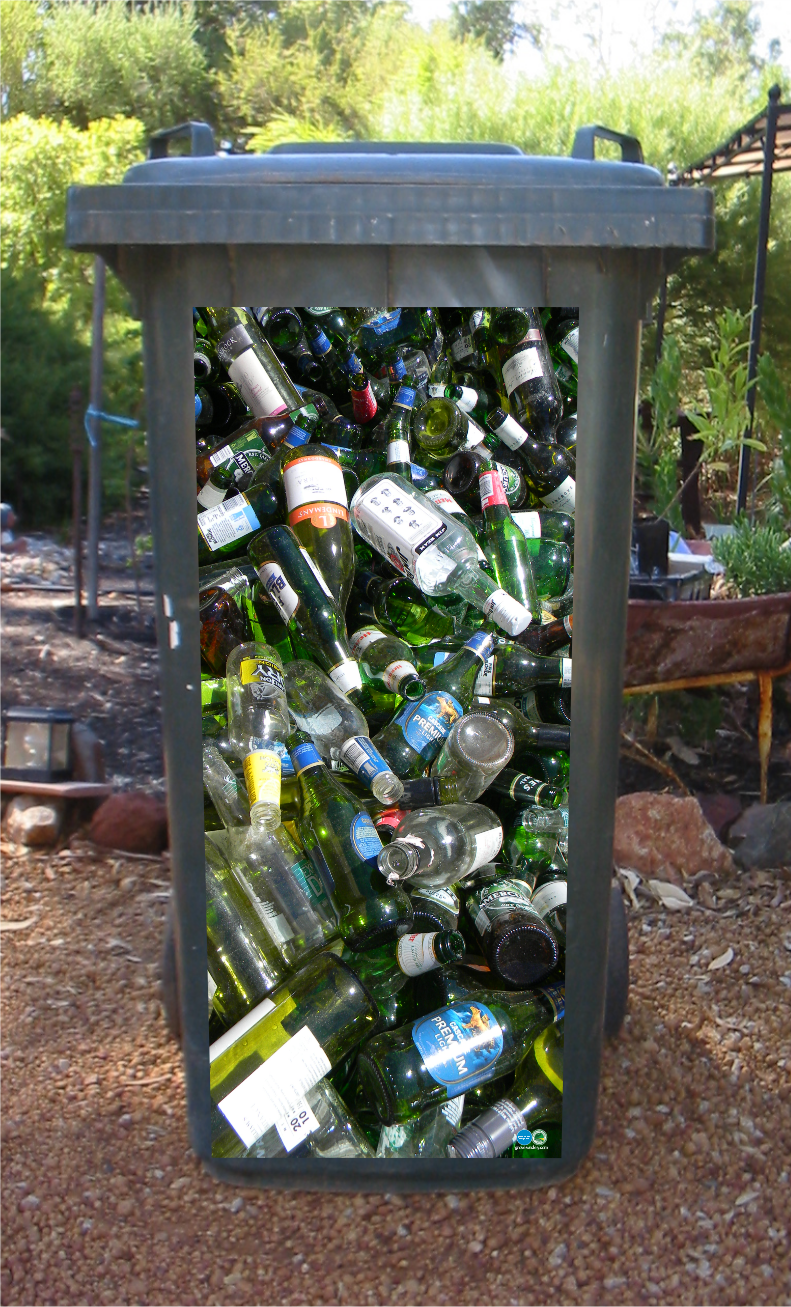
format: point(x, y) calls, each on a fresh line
point(494, 22)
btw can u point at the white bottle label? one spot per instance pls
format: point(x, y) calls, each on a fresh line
point(316, 570)
point(398, 451)
point(415, 954)
point(347, 676)
point(529, 524)
point(231, 520)
point(484, 683)
point(524, 366)
point(221, 455)
point(487, 845)
point(507, 612)
point(475, 435)
point(212, 987)
point(453, 1109)
point(285, 599)
point(571, 344)
point(469, 398)
point(210, 496)
point(461, 348)
point(313, 478)
point(364, 638)
point(399, 526)
point(259, 391)
point(511, 433)
point(565, 672)
point(550, 896)
point(296, 1125)
point(445, 501)
point(395, 672)
point(276, 1087)
point(275, 922)
point(562, 498)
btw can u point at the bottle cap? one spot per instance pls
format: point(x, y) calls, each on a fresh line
point(508, 613)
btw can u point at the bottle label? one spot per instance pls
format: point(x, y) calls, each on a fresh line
point(524, 366)
point(565, 672)
point(571, 344)
point(262, 777)
point(415, 954)
point(487, 845)
point(441, 657)
point(297, 1125)
point(364, 638)
point(395, 672)
point(276, 1087)
point(231, 520)
point(426, 724)
point(297, 436)
point(364, 406)
point(383, 322)
point(445, 501)
point(459, 1044)
point(405, 397)
point(475, 435)
point(480, 644)
point(509, 477)
point(461, 348)
point(526, 703)
point(550, 896)
point(211, 496)
point(257, 388)
point(511, 433)
point(320, 345)
point(452, 1110)
point(397, 451)
point(304, 756)
point(507, 612)
point(562, 497)
point(366, 761)
point(467, 400)
point(259, 671)
point(275, 922)
point(397, 368)
point(436, 390)
point(492, 490)
point(399, 526)
point(529, 524)
point(484, 683)
point(321, 515)
point(444, 897)
point(315, 479)
point(390, 818)
point(555, 995)
point(365, 837)
point(285, 599)
point(221, 456)
point(347, 676)
point(524, 787)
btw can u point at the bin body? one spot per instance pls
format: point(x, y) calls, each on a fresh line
point(402, 229)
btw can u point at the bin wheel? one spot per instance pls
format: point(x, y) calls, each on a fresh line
point(168, 977)
point(617, 986)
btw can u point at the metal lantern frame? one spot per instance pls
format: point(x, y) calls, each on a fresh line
point(17, 716)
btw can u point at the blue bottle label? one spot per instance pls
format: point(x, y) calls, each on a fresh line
point(426, 724)
point(352, 364)
point(364, 836)
point(481, 644)
point(441, 657)
point(286, 765)
point(297, 436)
point(418, 472)
point(304, 756)
point(459, 1044)
point(359, 754)
point(405, 396)
point(320, 345)
point(399, 370)
point(556, 996)
point(198, 405)
point(383, 323)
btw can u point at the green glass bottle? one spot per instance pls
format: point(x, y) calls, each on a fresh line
point(435, 909)
point(551, 765)
point(528, 373)
point(527, 734)
point(387, 662)
point(454, 1049)
point(514, 669)
point(250, 361)
point(546, 465)
point(387, 971)
point(263, 1066)
point(334, 377)
point(303, 599)
point(530, 841)
point(441, 428)
point(318, 514)
point(535, 1099)
point(342, 843)
point(524, 789)
point(398, 604)
point(416, 734)
point(504, 544)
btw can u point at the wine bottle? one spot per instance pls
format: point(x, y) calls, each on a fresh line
point(500, 922)
point(340, 839)
point(546, 465)
point(318, 514)
point(262, 1068)
point(528, 373)
point(448, 1052)
point(250, 361)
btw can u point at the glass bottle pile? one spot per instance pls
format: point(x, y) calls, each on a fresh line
point(385, 513)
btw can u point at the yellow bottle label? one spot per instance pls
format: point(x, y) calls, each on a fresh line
point(262, 776)
point(257, 670)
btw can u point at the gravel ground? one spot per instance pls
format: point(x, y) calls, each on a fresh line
point(685, 1197)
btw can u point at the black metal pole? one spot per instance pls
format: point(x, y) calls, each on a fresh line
point(77, 441)
point(759, 287)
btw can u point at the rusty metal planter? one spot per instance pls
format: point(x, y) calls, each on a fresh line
point(667, 642)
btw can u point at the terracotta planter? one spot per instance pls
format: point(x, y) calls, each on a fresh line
point(668, 641)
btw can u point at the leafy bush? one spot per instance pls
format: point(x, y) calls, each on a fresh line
point(754, 559)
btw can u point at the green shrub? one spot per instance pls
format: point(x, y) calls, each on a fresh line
point(754, 560)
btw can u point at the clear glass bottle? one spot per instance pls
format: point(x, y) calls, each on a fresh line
point(442, 845)
point(226, 792)
point(476, 750)
point(320, 1126)
point(426, 1135)
point(257, 724)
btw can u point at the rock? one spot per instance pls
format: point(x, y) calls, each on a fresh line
point(29, 821)
point(706, 896)
point(653, 830)
point(720, 811)
point(765, 834)
point(135, 823)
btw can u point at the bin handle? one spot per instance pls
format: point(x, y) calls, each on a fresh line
point(200, 134)
point(584, 146)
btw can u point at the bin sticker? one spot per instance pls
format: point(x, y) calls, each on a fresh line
point(426, 725)
point(231, 520)
point(364, 836)
point(459, 1045)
